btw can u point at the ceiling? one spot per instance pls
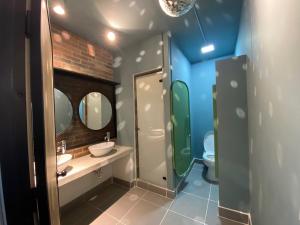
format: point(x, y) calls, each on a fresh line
point(135, 20)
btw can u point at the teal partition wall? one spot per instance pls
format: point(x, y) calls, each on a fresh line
point(181, 133)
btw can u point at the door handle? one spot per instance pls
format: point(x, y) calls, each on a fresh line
point(61, 173)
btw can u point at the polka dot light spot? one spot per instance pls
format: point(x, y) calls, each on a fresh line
point(142, 53)
point(147, 87)
point(147, 107)
point(186, 23)
point(260, 119)
point(271, 109)
point(119, 105)
point(142, 12)
point(119, 90)
point(151, 24)
point(279, 154)
point(234, 84)
point(131, 4)
point(142, 84)
point(121, 125)
point(240, 113)
point(138, 59)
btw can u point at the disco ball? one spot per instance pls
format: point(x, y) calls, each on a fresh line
point(176, 8)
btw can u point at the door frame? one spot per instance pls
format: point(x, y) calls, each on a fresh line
point(42, 88)
point(135, 77)
point(16, 203)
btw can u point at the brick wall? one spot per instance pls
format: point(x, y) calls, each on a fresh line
point(73, 53)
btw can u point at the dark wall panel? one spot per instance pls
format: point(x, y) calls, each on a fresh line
point(76, 86)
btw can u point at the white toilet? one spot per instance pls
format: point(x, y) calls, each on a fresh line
point(209, 155)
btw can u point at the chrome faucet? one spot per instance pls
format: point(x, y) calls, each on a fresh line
point(61, 147)
point(107, 137)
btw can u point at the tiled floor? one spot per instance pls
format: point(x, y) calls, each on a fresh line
point(195, 205)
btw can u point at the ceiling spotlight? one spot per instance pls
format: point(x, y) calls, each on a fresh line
point(207, 48)
point(58, 9)
point(111, 36)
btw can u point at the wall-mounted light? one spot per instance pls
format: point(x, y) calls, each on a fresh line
point(111, 36)
point(207, 49)
point(59, 9)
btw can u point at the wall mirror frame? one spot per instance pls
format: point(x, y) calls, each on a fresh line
point(63, 111)
point(77, 86)
point(95, 111)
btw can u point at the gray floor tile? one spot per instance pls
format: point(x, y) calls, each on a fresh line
point(158, 199)
point(107, 197)
point(104, 219)
point(198, 166)
point(214, 194)
point(196, 185)
point(190, 206)
point(137, 191)
point(175, 219)
point(144, 213)
point(212, 214)
point(82, 214)
point(121, 207)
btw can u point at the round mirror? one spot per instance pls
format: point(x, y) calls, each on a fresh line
point(95, 111)
point(63, 111)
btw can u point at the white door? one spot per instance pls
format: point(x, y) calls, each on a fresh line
point(151, 131)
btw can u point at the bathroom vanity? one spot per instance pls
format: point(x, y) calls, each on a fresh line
point(84, 165)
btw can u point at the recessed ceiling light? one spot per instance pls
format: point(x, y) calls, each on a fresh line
point(207, 48)
point(58, 9)
point(111, 36)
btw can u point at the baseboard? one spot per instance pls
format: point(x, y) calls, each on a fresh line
point(234, 215)
point(156, 189)
point(123, 183)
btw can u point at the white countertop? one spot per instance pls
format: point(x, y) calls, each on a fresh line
point(87, 164)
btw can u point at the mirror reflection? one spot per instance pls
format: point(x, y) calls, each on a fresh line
point(63, 111)
point(95, 111)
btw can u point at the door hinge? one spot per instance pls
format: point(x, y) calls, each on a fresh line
point(27, 23)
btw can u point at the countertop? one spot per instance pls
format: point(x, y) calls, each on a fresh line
point(86, 164)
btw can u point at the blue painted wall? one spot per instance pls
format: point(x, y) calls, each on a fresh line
point(202, 79)
point(199, 77)
point(181, 67)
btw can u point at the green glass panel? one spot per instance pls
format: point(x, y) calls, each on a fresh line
point(181, 132)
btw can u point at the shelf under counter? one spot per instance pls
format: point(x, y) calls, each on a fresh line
point(86, 164)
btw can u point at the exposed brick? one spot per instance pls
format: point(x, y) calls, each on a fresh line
point(73, 53)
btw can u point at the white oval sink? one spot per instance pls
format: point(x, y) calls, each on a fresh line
point(62, 159)
point(101, 148)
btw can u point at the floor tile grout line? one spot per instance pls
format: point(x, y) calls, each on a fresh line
point(167, 211)
point(154, 204)
point(129, 210)
point(158, 195)
point(207, 205)
point(179, 214)
point(195, 195)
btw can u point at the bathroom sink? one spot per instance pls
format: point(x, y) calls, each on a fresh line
point(101, 148)
point(62, 159)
